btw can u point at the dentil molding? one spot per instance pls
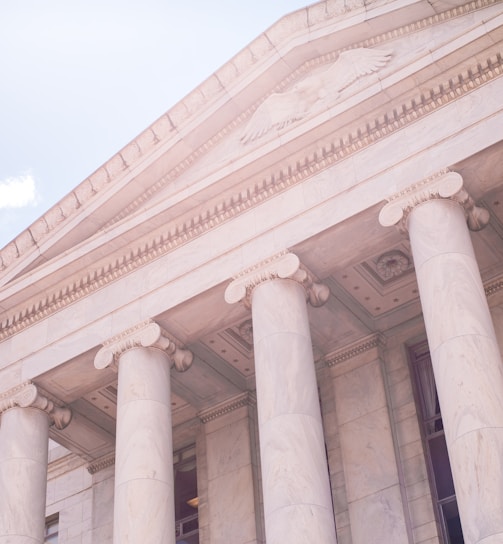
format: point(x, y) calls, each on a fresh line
point(244, 399)
point(28, 395)
point(354, 350)
point(101, 463)
point(148, 335)
point(329, 153)
point(191, 106)
point(284, 265)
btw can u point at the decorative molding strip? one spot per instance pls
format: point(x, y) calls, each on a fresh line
point(188, 109)
point(245, 399)
point(442, 185)
point(353, 350)
point(328, 155)
point(493, 287)
point(146, 334)
point(179, 456)
point(28, 395)
point(302, 70)
point(282, 265)
point(101, 463)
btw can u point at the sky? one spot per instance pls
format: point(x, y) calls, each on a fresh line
point(79, 79)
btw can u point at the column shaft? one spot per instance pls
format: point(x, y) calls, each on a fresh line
point(144, 490)
point(297, 498)
point(24, 434)
point(466, 362)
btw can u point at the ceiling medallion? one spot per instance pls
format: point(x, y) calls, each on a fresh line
point(246, 331)
point(392, 264)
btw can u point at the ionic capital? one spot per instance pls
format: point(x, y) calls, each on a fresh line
point(28, 395)
point(284, 265)
point(444, 184)
point(147, 334)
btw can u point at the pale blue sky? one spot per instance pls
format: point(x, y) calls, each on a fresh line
point(81, 78)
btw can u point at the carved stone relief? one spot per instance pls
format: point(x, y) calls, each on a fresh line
point(282, 109)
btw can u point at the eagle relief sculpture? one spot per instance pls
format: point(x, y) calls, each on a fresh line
point(281, 109)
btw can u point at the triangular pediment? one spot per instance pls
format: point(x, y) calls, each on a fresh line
point(345, 76)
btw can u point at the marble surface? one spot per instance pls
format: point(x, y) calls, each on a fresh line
point(23, 475)
point(369, 458)
point(297, 498)
point(194, 268)
point(144, 455)
point(231, 483)
point(183, 284)
point(466, 361)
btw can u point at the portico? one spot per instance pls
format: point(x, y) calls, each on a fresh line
point(223, 305)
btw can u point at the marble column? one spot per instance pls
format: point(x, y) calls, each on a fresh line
point(24, 441)
point(464, 350)
point(144, 510)
point(297, 498)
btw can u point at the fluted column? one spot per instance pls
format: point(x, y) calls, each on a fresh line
point(297, 497)
point(464, 351)
point(144, 510)
point(24, 435)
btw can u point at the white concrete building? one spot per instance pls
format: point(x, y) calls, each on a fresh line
point(233, 329)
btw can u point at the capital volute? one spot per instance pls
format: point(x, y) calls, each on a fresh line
point(28, 395)
point(444, 184)
point(284, 265)
point(147, 334)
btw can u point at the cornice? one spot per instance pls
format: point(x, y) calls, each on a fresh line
point(304, 68)
point(328, 154)
point(170, 125)
point(245, 399)
point(101, 463)
point(353, 350)
point(28, 395)
point(493, 287)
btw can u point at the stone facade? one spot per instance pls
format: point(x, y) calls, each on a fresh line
point(285, 293)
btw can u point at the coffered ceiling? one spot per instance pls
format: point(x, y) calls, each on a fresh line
point(370, 273)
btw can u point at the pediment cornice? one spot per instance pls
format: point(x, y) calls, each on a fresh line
point(328, 154)
point(185, 116)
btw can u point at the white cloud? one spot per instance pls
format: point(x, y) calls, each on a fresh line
point(18, 192)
